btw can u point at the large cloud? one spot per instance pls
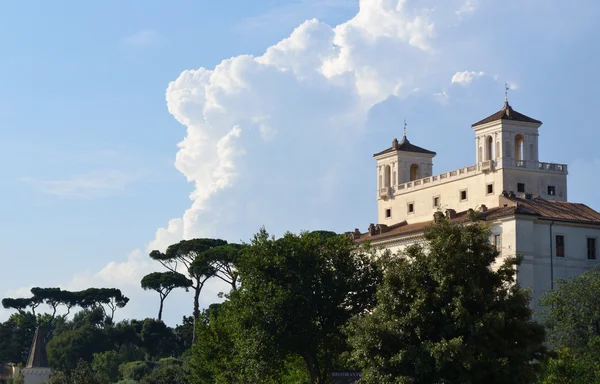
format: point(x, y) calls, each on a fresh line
point(273, 139)
point(302, 103)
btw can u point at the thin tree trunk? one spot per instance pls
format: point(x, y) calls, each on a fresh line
point(160, 309)
point(197, 288)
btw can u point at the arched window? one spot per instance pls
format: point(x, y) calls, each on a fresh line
point(519, 141)
point(489, 147)
point(387, 175)
point(414, 172)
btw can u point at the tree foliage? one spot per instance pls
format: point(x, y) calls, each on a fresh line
point(108, 299)
point(202, 259)
point(296, 294)
point(445, 316)
point(572, 312)
point(164, 283)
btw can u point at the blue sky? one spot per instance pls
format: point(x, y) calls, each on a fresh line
point(126, 126)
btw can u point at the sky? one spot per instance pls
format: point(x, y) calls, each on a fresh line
point(128, 126)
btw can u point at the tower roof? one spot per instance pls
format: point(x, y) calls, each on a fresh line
point(405, 146)
point(37, 353)
point(507, 113)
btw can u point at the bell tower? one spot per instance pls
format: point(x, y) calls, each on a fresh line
point(506, 139)
point(507, 142)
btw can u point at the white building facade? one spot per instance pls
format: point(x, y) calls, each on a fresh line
point(523, 200)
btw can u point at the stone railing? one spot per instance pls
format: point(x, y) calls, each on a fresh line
point(437, 179)
point(488, 165)
point(537, 165)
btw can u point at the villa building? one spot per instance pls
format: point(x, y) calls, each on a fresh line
point(523, 199)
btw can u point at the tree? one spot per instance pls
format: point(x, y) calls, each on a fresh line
point(106, 366)
point(164, 283)
point(192, 254)
point(50, 296)
point(296, 294)
point(21, 304)
point(572, 312)
point(98, 297)
point(68, 348)
point(224, 259)
point(444, 315)
point(565, 367)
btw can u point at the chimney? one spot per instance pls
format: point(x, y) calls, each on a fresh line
point(395, 143)
point(372, 229)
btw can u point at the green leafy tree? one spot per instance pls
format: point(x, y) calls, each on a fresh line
point(572, 312)
point(157, 339)
point(164, 283)
point(106, 366)
point(296, 294)
point(184, 333)
point(21, 304)
point(68, 348)
point(192, 254)
point(567, 368)
point(15, 337)
point(136, 370)
point(83, 374)
point(443, 315)
point(167, 371)
point(224, 259)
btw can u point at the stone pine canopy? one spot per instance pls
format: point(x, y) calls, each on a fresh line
point(507, 113)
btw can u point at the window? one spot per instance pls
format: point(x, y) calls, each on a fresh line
point(591, 248)
point(560, 246)
point(411, 207)
point(520, 187)
point(551, 190)
point(436, 201)
point(498, 242)
point(463, 195)
point(490, 189)
point(388, 213)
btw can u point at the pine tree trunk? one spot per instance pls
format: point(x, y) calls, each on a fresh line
point(160, 309)
point(197, 288)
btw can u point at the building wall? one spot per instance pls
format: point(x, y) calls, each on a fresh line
point(536, 182)
point(36, 375)
point(422, 195)
point(530, 238)
point(533, 241)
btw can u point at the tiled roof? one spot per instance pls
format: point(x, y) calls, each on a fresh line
point(507, 113)
point(509, 206)
point(37, 353)
point(405, 146)
point(556, 210)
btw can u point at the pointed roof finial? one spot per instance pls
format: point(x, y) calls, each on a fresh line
point(506, 89)
point(405, 128)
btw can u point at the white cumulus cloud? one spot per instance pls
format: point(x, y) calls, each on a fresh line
point(465, 77)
